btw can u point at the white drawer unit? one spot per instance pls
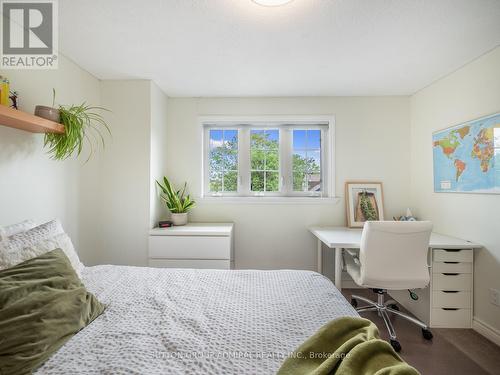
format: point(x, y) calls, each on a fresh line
point(191, 263)
point(451, 317)
point(451, 284)
point(195, 245)
point(452, 281)
point(453, 255)
point(189, 247)
point(448, 301)
point(452, 299)
point(452, 267)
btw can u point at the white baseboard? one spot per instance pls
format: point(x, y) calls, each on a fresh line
point(486, 330)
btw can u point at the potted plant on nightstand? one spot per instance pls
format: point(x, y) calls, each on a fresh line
point(177, 202)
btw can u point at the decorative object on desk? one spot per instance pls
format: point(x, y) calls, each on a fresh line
point(14, 98)
point(4, 91)
point(80, 121)
point(464, 157)
point(177, 202)
point(164, 224)
point(364, 202)
point(409, 216)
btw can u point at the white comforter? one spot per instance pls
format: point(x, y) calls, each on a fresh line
point(172, 321)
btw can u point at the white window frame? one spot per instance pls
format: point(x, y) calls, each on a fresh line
point(285, 124)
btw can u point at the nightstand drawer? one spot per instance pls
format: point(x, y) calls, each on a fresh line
point(191, 263)
point(451, 267)
point(441, 255)
point(452, 281)
point(452, 318)
point(190, 247)
point(453, 299)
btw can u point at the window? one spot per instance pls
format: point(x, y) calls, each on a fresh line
point(307, 160)
point(223, 160)
point(264, 160)
point(267, 158)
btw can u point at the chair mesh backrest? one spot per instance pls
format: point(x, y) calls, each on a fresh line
point(395, 251)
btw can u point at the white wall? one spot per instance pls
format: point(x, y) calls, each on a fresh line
point(467, 94)
point(31, 184)
point(115, 200)
point(119, 202)
point(158, 157)
point(372, 140)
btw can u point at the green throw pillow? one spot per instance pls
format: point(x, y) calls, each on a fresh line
point(43, 304)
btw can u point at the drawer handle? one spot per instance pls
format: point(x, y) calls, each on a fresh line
point(449, 308)
point(450, 291)
point(452, 250)
point(450, 274)
point(451, 262)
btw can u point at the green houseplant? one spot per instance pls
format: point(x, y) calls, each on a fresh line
point(82, 124)
point(178, 202)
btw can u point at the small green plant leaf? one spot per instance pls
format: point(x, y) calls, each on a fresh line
point(176, 200)
point(82, 124)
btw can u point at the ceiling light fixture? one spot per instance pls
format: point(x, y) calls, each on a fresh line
point(272, 3)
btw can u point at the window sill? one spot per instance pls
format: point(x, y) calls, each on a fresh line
point(268, 200)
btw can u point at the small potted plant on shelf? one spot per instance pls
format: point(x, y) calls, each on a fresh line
point(177, 201)
point(82, 123)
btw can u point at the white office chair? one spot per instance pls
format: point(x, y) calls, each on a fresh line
point(393, 255)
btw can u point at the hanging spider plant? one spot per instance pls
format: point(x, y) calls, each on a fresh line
point(82, 124)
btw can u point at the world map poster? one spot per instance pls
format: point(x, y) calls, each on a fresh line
point(467, 157)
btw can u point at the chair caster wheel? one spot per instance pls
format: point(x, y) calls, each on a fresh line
point(354, 303)
point(427, 334)
point(393, 306)
point(396, 345)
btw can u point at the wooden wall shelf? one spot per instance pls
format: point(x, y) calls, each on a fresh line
point(25, 121)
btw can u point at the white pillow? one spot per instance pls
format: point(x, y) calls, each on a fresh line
point(12, 229)
point(33, 235)
point(59, 241)
point(35, 242)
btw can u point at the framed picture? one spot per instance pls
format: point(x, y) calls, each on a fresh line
point(364, 202)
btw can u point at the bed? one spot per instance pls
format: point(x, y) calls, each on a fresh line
point(183, 321)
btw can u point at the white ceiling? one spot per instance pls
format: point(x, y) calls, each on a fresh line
point(305, 48)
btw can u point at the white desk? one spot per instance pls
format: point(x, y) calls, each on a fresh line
point(447, 302)
point(339, 238)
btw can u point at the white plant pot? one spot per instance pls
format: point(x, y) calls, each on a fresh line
point(179, 219)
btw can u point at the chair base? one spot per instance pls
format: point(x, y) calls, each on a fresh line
point(384, 308)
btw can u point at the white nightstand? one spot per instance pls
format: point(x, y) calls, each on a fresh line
point(195, 245)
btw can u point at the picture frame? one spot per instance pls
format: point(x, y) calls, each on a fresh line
point(364, 202)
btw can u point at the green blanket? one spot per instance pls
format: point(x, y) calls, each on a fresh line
point(346, 346)
point(43, 304)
